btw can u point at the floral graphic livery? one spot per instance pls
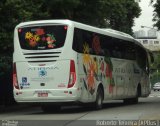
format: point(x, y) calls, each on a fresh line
point(39, 38)
point(51, 40)
point(96, 44)
point(96, 69)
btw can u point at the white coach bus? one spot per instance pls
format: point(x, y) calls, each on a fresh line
point(57, 62)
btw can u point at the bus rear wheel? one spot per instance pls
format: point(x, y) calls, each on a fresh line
point(99, 100)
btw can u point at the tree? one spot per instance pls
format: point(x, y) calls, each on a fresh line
point(61, 9)
point(116, 14)
point(156, 15)
point(13, 12)
point(121, 14)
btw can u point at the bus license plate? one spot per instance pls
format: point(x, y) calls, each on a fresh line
point(42, 94)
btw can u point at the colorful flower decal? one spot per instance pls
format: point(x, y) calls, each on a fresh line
point(40, 32)
point(51, 40)
point(37, 38)
point(108, 73)
point(97, 68)
point(32, 39)
point(96, 44)
point(102, 69)
point(32, 42)
point(40, 38)
point(89, 67)
point(90, 78)
point(86, 56)
point(43, 39)
point(28, 35)
point(102, 66)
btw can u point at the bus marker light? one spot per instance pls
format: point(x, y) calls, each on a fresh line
point(65, 27)
point(42, 64)
point(19, 30)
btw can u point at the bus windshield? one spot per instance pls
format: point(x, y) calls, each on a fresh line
point(42, 37)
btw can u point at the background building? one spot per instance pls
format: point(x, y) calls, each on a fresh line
point(150, 43)
point(152, 33)
point(148, 39)
point(139, 34)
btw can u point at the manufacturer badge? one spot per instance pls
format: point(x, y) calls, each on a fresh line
point(42, 73)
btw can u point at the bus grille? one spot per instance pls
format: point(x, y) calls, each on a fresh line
point(42, 57)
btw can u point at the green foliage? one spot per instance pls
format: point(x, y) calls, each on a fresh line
point(5, 64)
point(116, 14)
point(156, 64)
point(156, 15)
point(13, 12)
point(122, 14)
point(155, 68)
point(62, 9)
point(155, 77)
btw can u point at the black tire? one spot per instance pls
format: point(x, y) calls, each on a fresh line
point(99, 99)
point(50, 108)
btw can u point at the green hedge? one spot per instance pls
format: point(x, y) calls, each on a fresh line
point(6, 88)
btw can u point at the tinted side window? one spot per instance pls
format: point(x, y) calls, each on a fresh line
point(130, 52)
point(118, 48)
point(78, 41)
point(86, 42)
point(98, 44)
point(141, 57)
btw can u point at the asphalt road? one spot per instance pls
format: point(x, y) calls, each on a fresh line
point(145, 113)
